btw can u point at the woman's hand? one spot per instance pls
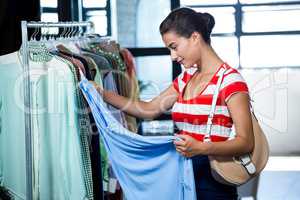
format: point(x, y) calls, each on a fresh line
point(97, 86)
point(188, 146)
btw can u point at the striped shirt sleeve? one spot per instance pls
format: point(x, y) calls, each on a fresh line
point(175, 84)
point(232, 84)
point(179, 81)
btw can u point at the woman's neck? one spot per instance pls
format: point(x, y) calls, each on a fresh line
point(210, 61)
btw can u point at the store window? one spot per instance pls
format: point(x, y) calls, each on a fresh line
point(138, 30)
point(224, 39)
point(267, 1)
point(245, 31)
point(270, 34)
point(207, 2)
point(147, 35)
point(224, 18)
point(152, 82)
point(49, 13)
point(49, 10)
point(98, 12)
point(147, 27)
point(48, 4)
point(270, 51)
point(271, 18)
point(227, 48)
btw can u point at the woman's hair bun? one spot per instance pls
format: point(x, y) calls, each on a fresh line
point(184, 21)
point(209, 20)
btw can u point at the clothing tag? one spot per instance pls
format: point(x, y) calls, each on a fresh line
point(112, 185)
point(105, 185)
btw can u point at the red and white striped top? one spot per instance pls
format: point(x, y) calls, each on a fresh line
point(190, 116)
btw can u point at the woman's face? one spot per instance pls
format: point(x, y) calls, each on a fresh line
point(183, 50)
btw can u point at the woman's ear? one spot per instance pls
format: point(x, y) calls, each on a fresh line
point(196, 36)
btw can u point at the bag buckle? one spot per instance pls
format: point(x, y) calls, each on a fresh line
point(247, 163)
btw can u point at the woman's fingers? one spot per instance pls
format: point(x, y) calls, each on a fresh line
point(97, 86)
point(184, 144)
point(184, 153)
point(183, 148)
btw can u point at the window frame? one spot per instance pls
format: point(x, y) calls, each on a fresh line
point(238, 22)
point(68, 10)
point(51, 10)
point(107, 8)
point(159, 51)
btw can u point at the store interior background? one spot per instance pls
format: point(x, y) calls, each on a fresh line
point(259, 37)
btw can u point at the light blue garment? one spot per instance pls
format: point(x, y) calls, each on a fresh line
point(56, 130)
point(12, 136)
point(147, 167)
point(58, 165)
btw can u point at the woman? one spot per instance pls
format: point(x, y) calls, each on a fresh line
point(187, 34)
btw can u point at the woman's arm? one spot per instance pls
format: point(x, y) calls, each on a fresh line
point(238, 106)
point(141, 109)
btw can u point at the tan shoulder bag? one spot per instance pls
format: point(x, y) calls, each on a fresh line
point(238, 170)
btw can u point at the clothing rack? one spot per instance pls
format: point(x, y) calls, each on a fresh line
point(27, 90)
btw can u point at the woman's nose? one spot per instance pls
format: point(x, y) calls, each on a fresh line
point(173, 56)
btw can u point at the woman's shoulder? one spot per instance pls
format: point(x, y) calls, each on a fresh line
point(232, 75)
point(229, 69)
point(232, 83)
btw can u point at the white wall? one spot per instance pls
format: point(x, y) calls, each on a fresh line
point(276, 97)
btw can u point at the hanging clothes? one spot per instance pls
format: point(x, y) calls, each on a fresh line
point(66, 148)
point(124, 83)
point(107, 80)
point(116, 77)
point(133, 85)
point(12, 137)
point(91, 157)
point(60, 146)
point(105, 65)
point(147, 167)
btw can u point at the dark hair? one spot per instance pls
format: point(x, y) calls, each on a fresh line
point(185, 21)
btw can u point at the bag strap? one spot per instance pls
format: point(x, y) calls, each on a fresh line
point(244, 159)
point(213, 105)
